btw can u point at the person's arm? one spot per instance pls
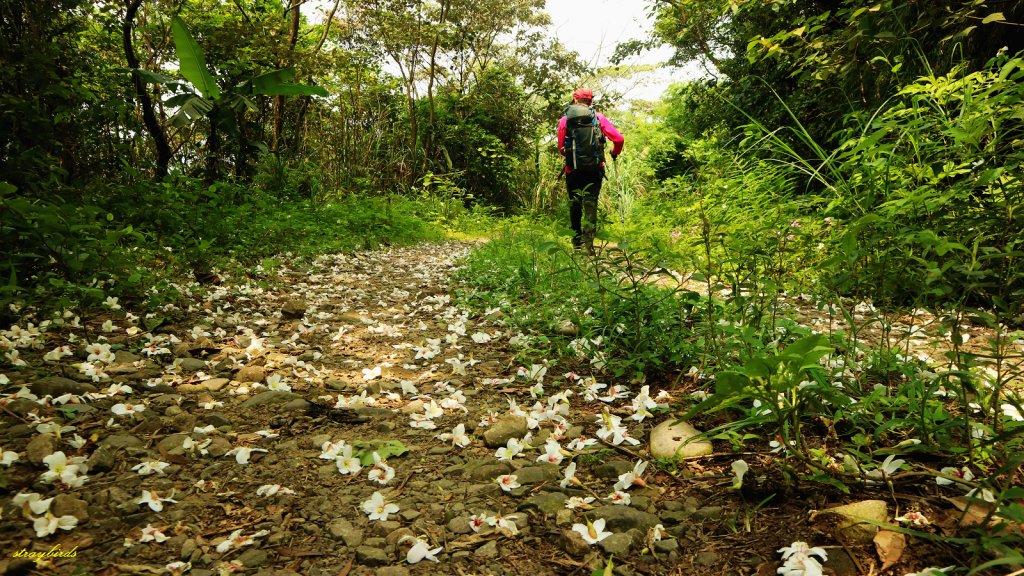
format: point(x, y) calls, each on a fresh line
point(561, 136)
point(612, 134)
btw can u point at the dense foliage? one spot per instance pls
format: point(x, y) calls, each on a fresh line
point(130, 127)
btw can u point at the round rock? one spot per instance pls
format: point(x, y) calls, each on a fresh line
point(505, 429)
point(678, 440)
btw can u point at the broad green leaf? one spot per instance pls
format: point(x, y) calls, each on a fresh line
point(728, 383)
point(994, 17)
point(191, 60)
point(294, 90)
point(282, 76)
point(154, 77)
point(151, 323)
point(384, 448)
point(279, 83)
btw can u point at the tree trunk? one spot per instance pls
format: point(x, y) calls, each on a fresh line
point(163, 149)
point(293, 38)
point(429, 140)
point(212, 147)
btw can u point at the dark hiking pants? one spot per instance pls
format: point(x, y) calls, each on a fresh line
point(583, 188)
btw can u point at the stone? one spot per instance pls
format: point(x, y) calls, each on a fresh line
point(125, 357)
point(395, 536)
point(172, 444)
point(370, 556)
point(545, 503)
point(122, 441)
point(296, 405)
point(57, 386)
point(270, 397)
point(567, 328)
point(489, 471)
point(373, 412)
point(251, 374)
point(294, 308)
point(66, 504)
point(192, 365)
point(538, 474)
point(101, 460)
point(150, 424)
point(24, 405)
point(342, 529)
point(219, 446)
point(409, 514)
point(617, 544)
point(574, 544)
point(856, 523)
point(612, 468)
point(413, 407)
point(214, 384)
point(488, 550)
point(623, 518)
point(504, 429)
point(392, 571)
point(666, 546)
point(38, 448)
point(707, 513)
point(672, 517)
point(183, 422)
point(216, 419)
point(678, 441)
point(459, 525)
point(253, 558)
point(188, 547)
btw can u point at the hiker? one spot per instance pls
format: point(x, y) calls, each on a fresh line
point(581, 138)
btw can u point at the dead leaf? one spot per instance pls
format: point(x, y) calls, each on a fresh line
point(769, 568)
point(974, 512)
point(890, 546)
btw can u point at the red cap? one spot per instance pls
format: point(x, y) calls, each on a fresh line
point(583, 94)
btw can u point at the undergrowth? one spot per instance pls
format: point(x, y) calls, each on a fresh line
point(137, 244)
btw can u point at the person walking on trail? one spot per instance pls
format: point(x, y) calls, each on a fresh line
point(582, 133)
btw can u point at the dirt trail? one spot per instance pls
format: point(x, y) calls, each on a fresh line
point(238, 414)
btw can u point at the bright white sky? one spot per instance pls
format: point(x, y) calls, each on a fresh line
point(594, 27)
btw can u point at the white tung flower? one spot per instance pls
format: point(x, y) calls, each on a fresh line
point(49, 524)
point(799, 560)
point(511, 449)
point(507, 482)
point(592, 532)
point(154, 500)
point(272, 489)
point(380, 472)
point(377, 508)
point(152, 534)
point(151, 467)
point(420, 550)
point(237, 540)
point(243, 453)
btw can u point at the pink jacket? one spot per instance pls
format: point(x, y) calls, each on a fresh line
point(610, 132)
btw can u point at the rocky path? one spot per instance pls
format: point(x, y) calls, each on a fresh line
point(354, 422)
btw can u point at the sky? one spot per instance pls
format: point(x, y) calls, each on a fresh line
point(594, 27)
